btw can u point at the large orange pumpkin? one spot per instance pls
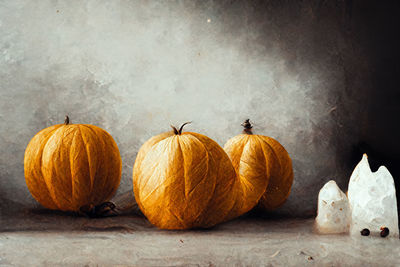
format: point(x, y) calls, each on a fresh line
point(69, 166)
point(264, 169)
point(184, 180)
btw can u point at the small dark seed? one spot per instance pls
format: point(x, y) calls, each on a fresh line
point(384, 232)
point(364, 232)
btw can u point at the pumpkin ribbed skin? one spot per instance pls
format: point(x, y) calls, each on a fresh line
point(264, 169)
point(183, 181)
point(70, 166)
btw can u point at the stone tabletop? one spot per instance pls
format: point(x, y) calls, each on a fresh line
point(42, 238)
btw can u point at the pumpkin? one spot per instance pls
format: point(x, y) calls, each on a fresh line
point(264, 169)
point(70, 166)
point(184, 180)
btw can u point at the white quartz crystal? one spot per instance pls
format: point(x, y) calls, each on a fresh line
point(372, 198)
point(333, 210)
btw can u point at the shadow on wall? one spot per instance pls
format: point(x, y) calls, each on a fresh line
point(354, 46)
point(380, 130)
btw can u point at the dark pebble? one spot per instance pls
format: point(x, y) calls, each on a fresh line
point(384, 232)
point(364, 232)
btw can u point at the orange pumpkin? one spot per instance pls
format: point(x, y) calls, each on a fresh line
point(264, 169)
point(69, 166)
point(183, 180)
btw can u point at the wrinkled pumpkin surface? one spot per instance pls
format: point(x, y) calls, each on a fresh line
point(264, 169)
point(186, 180)
point(183, 181)
point(70, 166)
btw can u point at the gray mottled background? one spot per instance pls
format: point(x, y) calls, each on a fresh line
point(302, 71)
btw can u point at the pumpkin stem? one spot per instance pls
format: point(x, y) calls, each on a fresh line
point(180, 129)
point(175, 130)
point(66, 121)
point(179, 132)
point(247, 127)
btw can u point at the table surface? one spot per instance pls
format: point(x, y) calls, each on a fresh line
point(55, 239)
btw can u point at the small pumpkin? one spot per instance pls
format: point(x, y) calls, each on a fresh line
point(183, 180)
point(70, 166)
point(264, 169)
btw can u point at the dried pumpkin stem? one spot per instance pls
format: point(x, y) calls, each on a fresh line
point(66, 121)
point(180, 129)
point(175, 130)
point(247, 127)
point(179, 132)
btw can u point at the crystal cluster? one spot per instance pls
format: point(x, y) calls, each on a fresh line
point(370, 204)
point(333, 210)
point(372, 198)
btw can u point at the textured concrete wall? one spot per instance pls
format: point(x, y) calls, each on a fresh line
point(295, 68)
